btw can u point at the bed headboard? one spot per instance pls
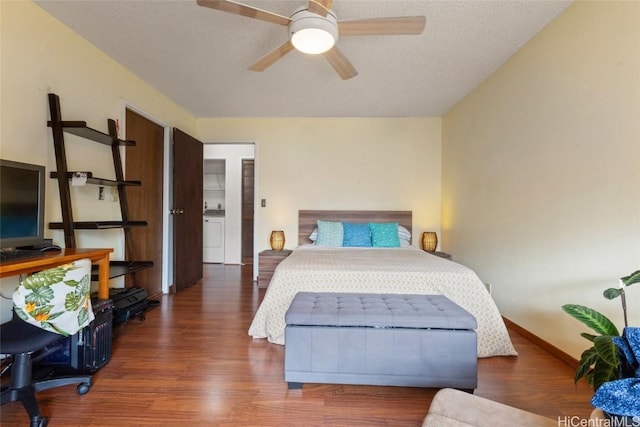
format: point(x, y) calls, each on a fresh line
point(307, 220)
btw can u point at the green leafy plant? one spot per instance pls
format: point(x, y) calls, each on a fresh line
point(600, 363)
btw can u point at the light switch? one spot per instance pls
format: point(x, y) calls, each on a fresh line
point(263, 203)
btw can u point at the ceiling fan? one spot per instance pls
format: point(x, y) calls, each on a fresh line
point(314, 29)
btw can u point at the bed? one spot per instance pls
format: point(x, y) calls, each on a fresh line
point(398, 270)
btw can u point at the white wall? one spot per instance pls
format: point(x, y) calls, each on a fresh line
point(41, 55)
point(338, 163)
point(541, 183)
point(233, 155)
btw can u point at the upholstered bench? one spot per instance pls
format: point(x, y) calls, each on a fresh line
point(379, 339)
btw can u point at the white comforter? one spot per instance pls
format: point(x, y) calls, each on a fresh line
point(405, 270)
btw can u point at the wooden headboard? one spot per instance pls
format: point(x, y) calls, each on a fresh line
point(307, 220)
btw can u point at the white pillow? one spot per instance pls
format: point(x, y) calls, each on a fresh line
point(403, 233)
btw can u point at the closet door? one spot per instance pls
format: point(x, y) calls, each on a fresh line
point(143, 162)
point(187, 209)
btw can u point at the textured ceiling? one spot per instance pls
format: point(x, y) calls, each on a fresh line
point(198, 57)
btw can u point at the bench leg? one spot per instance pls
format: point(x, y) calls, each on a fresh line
point(294, 386)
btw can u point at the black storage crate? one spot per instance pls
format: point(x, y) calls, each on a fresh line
point(86, 351)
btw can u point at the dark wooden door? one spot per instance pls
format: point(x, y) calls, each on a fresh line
point(187, 209)
point(144, 163)
point(247, 210)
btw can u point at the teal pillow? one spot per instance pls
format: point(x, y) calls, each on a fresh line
point(330, 233)
point(384, 234)
point(356, 234)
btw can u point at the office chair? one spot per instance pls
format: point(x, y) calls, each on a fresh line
point(48, 306)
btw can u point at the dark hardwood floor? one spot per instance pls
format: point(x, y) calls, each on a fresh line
point(191, 363)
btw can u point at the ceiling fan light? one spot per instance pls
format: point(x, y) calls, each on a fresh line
point(312, 41)
point(311, 33)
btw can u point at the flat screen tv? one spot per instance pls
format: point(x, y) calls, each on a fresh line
point(21, 204)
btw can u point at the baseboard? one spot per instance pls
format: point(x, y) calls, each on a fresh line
point(550, 348)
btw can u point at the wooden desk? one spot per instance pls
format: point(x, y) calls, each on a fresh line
point(52, 259)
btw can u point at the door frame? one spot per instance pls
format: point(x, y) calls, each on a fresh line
point(256, 213)
point(167, 224)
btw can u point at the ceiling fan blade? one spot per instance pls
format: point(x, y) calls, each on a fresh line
point(320, 7)
point(340, 63)
point(248, 11)
point(271, 57)
point(382, 26)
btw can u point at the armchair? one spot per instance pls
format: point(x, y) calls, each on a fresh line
point(455, 408)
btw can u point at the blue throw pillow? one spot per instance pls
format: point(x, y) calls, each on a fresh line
point(329, 233)
point(356, 234)
point(384, 234)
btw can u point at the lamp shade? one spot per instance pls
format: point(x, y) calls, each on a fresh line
point(277, 240)
point(429, 241)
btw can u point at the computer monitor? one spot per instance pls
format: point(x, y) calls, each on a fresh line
point(21, 204)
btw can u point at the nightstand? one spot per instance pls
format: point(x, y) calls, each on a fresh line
point(441, 254)
point(267, 263)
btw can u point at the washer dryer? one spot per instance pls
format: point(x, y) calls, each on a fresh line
point(213, 250)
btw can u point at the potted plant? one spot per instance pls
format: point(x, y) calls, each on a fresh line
point(611, 364)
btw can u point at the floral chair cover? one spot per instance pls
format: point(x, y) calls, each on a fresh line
point(58, 299)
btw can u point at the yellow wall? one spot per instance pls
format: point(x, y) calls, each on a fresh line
point(541, 183)
point(300, 163)
point(338, 163)
point(41, 55)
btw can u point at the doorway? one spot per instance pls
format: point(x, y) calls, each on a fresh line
point(248, 179)
point(214, 210)
point(238, 174)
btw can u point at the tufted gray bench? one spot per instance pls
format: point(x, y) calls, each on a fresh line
point(379, 339)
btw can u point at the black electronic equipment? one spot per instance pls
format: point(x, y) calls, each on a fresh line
point(15, 254)
point(129, 303)
point(87, 350)
point(21, 204)
point(49, 248)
